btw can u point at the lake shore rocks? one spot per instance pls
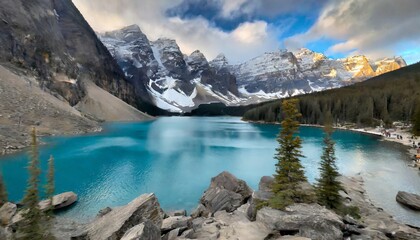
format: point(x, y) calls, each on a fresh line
point(144, 231)
point(226, 203)
point(117, 222)
point(305, 220)
point(409, 200)
point(59, 201)
point(226, 192)
point(7, 211)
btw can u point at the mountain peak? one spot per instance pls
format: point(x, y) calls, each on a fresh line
point(133, 28)
point(197, 60)
point(128, 34)
point(220, 61)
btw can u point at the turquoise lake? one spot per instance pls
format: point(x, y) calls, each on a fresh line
point(175, 157)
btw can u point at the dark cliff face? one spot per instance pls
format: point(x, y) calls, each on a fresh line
point(52, 40)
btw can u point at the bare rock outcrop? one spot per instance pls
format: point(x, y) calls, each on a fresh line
point(144, 231)
point(117, 222)
point(226, 192)
point(305, 220)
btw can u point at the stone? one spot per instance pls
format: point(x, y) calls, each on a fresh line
point(351, 221)
point(114, 224)
point(104, 212)
point(17, 220)
point(226, 192)
point(263, 194)
point(245, 231)
point(200, 211)
point(264, 188)
point(226, 180)
point(292, 238)
point(208, 229)
point(305, 220)
point(409, 200)
point(217, 199)
point(60, 201)
point(4, 234)
point(144, 231)
point(177, 213)
point(171, 223)
point(172, 235)
point(7, 211)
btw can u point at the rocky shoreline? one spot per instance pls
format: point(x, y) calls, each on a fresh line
point(228, 210)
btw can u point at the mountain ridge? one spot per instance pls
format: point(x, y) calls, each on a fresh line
point(180, 83)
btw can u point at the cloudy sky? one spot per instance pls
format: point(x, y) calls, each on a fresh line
point(243, 29)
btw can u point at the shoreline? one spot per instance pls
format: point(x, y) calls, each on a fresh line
point(373, 221)
point(405, 141)
point(23, 145)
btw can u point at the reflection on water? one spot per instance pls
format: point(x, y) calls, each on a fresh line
point(176, 157)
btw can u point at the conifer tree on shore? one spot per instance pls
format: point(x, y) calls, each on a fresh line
point(50, 187)
point(32, 228)
point(327, 186)
point(289, 171)
point(3, 192)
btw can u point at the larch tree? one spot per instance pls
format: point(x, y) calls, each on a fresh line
point(289, 171)
point(32, 228)
point(327, 186)
point(3, 192)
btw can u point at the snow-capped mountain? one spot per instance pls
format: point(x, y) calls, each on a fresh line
point(282, 73)
point(173, 81)
point(166, 77)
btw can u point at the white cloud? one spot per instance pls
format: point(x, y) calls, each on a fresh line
point(251, 32)
point(246, 41)
point(374, 28)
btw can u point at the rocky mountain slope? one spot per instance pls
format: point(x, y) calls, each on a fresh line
point(52, 40)
point(282, 73)
point(178, 83)
point(49, 42)
point(23, 104)
point(164, 76)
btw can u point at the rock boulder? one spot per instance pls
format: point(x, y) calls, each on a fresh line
point(117, 222)
point(59, 201)
point(7, 211)
point(144, 231)
point(177, 213)
point(409, 199)
point(171, 223)
point(305, 220)
point(226, 192)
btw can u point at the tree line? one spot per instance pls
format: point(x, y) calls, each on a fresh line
point(290, 174)
point(394, 96)
point(36, 223)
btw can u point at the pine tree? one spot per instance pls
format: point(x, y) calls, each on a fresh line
point(289, 171)
point(32, 228)
point(3, 192)
point(327, 186)
point(49, 187)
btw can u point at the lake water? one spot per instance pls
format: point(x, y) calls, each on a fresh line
point(175, 157)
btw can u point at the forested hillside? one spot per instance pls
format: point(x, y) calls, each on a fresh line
point(390, 97)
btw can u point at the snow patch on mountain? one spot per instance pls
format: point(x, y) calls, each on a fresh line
point(177, 82)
